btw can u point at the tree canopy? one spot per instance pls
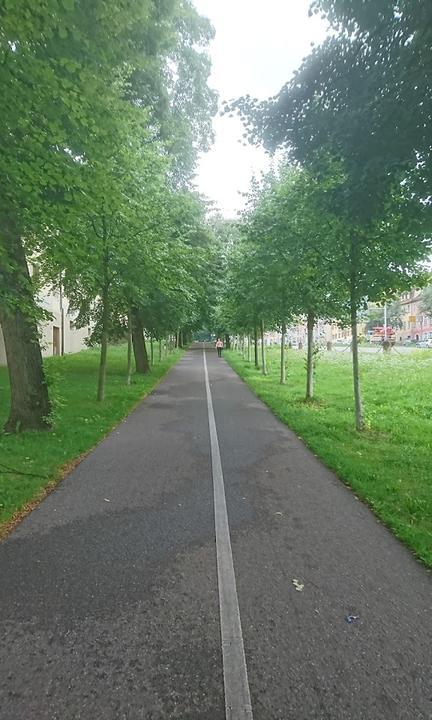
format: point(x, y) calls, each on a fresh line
point(105, 107)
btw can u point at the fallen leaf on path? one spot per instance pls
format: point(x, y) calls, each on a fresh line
point(106, 500)
point(298, 585)
point(279, 514)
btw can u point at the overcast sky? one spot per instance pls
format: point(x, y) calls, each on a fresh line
point(258, 45)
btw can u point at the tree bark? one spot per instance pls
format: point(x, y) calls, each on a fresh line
point(248, 348)
point(227, 342)
point(256, 347)
point(138, 343)
point(160, 350)
point(151, 353)
point(282, 366)
point(310, 356)
point(62, 317)
point(359, 418)
point(129, 351)
point(30, 407)
point(263, 351)
point(104, 345)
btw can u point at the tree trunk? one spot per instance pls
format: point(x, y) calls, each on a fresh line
point(263, 351)
point(310, 356)
point(104, 345)
point(359, 419)
point(256, 347)
point(248, 348)
point(129, 351)
point(282, 366)
point(227, 342)
point(139, 347)
point(30, 407)
point(151, 353)
point(62, 317)
point(160, 350)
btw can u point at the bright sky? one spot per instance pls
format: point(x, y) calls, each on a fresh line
point(258, 45)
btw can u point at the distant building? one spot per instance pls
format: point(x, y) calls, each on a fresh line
point(416, 325)
point(324, 332)
point(333, 333)
point(59, 334)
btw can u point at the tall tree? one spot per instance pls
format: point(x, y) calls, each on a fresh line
point(342, 110)
point(88, 56)
point(426, 301)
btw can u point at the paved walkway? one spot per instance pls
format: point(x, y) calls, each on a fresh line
point(109, 598)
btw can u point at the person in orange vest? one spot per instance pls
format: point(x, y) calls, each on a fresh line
point(219, 347)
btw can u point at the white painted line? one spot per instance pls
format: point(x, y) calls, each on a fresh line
point(237, 695)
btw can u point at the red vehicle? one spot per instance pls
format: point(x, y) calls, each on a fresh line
point(380, 333)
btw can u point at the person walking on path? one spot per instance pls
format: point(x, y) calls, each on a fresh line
point(219, 347)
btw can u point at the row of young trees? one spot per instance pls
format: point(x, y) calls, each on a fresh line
point(348, 219)
point(105, 106)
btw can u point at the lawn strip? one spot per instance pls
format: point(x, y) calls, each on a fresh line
point(389, 466)
point(31, 464)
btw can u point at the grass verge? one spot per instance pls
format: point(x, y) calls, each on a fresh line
point(32, 463)
point(389, 466)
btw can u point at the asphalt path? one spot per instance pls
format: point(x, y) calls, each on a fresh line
point(110, 606)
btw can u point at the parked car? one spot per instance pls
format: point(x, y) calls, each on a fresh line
point(423, 344)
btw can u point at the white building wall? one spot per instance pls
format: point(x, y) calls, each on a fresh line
point(51, 330)
point(2, 350)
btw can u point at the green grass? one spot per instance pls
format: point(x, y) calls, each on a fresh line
point(80, 421)
point(390, 464)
